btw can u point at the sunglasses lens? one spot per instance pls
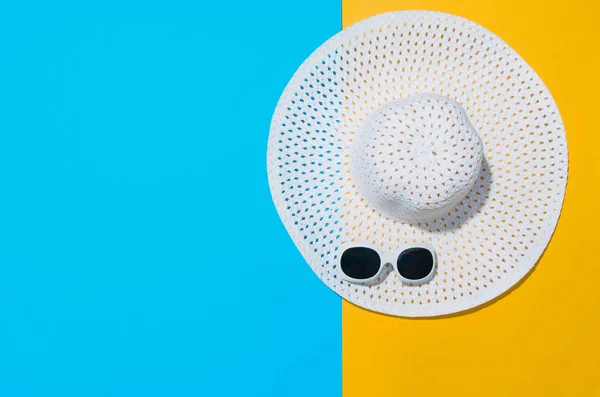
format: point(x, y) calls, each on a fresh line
point(360, 263)
point(415, 263)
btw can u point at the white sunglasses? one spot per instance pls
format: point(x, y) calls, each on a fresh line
point(361, 262)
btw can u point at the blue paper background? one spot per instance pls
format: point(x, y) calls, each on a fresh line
point(140, 252)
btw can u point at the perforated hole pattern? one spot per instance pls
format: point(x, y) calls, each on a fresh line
point(495, 235)
point(416, 158)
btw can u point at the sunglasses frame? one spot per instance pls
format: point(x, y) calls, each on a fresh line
point(387, 257)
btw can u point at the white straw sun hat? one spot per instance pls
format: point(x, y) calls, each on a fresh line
point(413, 129)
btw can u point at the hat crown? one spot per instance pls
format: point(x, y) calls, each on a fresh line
point(417, 158)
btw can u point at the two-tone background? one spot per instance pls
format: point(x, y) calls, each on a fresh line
point(140, 253)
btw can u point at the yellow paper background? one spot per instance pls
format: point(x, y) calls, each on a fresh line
point(543, 337)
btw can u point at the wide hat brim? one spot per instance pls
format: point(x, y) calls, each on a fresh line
point(495, 236)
